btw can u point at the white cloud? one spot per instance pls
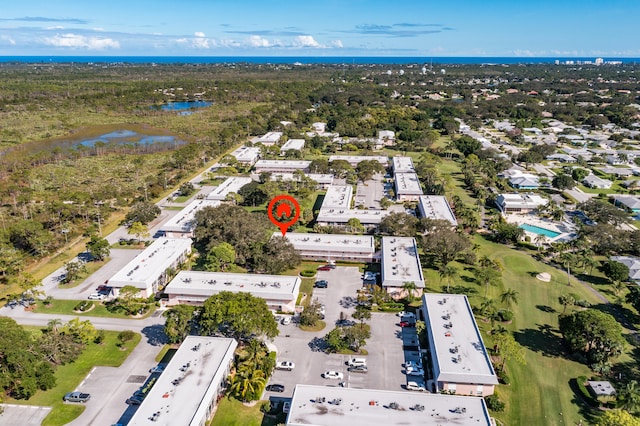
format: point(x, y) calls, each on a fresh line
point(199, 34)
point(257, 41)
point(305, 41)
point(337, 43)
point(57, 27)
point(76, 41)
point(8, 40)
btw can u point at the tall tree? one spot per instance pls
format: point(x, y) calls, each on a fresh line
point(239, 315)
point(595, 334)
point(509, 297)
point(447, 273)
point(628, 397)
point(178, 322)
point(98, 248)
point(220, 258)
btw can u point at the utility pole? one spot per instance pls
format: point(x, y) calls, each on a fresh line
point(99, 224)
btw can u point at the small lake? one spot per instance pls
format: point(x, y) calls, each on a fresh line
point(181, 106)
point(123, 137)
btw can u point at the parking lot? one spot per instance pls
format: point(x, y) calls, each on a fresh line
point(370, 193)
point(385, 347)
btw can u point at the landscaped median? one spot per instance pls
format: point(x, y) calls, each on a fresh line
point(68, 307)
point(70, 375)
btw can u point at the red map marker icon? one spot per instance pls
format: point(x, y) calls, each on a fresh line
point(287, 207)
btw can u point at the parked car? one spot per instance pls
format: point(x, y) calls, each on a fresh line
point(358, 369)
point(325, 268)
point(285, 365)
point(333, 375)
point(407, 324)
point(275, 388)
point(356, 362)
point(415, 371)
point(405, 314)
point(321, 284)
point(97, 296)
point(286, 320)
point(157, 369)
point(134, 401)
point(77, 397)
point(412, 364)
point(414, 386)
point(286, 407)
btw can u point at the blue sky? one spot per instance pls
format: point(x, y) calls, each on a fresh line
point(560, 28)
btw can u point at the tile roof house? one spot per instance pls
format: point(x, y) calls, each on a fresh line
point(593, 181)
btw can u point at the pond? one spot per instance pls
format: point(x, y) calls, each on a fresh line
point(123, 137)
point(181, 106)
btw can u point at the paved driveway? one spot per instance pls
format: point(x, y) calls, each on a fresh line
point(23, 415)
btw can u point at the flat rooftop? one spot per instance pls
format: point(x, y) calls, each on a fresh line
point(352, 407)
point(270, 137)
point(400, 262)
point(246, 153)
point(296, 144)
point(232, 184)
point(436, 207)
point(279, 164)
point(184, 221)
point(403, 165)
point(338, 197)
point(355, 159)
point(331, 242)
point(149, 265)
point(459, 354)
point(408, 184)
point(206, 360)
point(325, 179)
point(338, 215)
point(199, 283)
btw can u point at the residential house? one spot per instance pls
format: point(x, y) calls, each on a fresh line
point(593, 181)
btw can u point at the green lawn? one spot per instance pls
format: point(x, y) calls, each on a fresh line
point(231, 412)
point(65, 307)
point(70, 375)
point(539, 391)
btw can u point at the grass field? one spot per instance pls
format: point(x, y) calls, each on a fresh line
point(70, 375)
point(65, 307)
point(231, 412)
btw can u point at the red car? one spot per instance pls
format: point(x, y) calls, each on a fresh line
point(325, 268)
point(407, 324)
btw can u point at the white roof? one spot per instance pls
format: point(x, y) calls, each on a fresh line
point(232, 184)
point(338, 196)
point(246, 154)
point(601, 388)
point(408, 184)
point(452, 327)
point(436, 207)
point(596, 180)
point(371, 407)
point(521, 200)
point(206, 284)
point(322, 179)
point(148, 266)
point(187, 402)
point(389, 134)
point(296, 144)
point(185, 220)
point(331, 242)
point(282, 164)
point(269, 138)
point(337, 215)
point(355, 159)
point(403, 165)
point(400, 262)
point(629, 201)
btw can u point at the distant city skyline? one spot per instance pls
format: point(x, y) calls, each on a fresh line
point(499, 28)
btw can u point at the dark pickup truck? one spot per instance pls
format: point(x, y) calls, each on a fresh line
point(77, 397)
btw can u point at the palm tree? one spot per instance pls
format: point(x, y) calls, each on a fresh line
point(566, 300)
point(247, 381)
point(629, 397)
point(568, 260)
point(410, 287)
point(255, 352)
point(509, 297)
point(487, 307)
point(540, 240)
point(447, 273)
point(54, 325)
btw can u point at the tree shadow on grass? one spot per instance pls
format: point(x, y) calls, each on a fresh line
point(545, 308)
point(591, 279)
point(460, 289)
point(544, 340)
point(585, 408)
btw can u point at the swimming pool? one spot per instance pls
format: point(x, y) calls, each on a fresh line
point(541, 231)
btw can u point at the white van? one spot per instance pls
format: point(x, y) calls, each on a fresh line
point(356, 362)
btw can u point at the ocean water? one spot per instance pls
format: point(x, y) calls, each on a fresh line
point(299, 59)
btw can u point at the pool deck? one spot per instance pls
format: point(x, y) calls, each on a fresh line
point(565, 229)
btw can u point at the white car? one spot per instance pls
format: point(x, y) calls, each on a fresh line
point(285, 365)
point(407, 315)
point(286, 320)
point(413, 365)
point(96, 296)
point(414, 386)
point(333, 375)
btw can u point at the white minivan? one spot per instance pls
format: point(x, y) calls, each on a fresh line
point(357, 362)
